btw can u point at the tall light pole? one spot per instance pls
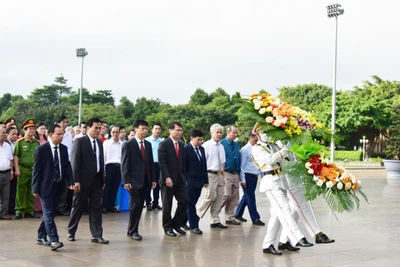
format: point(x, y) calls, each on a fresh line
point(81, 52)
point(334, 11)
point(364, 143)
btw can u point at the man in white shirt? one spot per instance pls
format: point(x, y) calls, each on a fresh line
point(6, 174)
point(112, 161)
point(215, 157)
point(82, 130)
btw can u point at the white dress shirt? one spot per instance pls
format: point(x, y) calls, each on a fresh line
point(5, 157)
point(215, 155)
point(58, 152)
point(67, 141)
point(112, 151)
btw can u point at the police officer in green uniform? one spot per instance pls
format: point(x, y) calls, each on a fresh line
point(23, 160)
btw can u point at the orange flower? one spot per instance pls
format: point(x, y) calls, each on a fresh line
point(355, 186)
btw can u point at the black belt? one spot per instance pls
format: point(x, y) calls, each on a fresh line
point(6, 171)
point(213, 172)
point(114, 164)
point(234, 173)
point(273, 172)
point(251, 175)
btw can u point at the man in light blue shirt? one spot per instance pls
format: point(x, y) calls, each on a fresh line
point(249, 177)
point(155, 140)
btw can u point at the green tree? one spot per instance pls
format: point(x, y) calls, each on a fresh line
point(104, 97)
point(199, 97)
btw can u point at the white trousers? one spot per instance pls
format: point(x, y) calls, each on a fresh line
point(280, 216)
point(300, 209)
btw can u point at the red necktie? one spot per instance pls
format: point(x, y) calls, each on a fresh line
point(177, 149)
point(143, 155)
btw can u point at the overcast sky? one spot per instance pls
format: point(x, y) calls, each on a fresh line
point(167, 48)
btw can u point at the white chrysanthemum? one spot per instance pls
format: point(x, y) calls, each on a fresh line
point(261, 111)
point(320, 183)
point(329, 184)
point(339, 185)
point(316, 178)
point(310, 171)
point(308, 165)
point(277, 123)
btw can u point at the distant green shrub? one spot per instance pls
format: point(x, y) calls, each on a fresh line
point(348, 154)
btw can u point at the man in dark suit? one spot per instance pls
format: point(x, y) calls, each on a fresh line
point(88, 169)
point(171, 156)
point(196, 176)
point(51, 171)
point(137, 169)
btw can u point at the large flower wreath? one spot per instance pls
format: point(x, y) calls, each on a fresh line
point(297, 128)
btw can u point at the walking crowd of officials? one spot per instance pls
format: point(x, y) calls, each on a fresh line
point(76, 171)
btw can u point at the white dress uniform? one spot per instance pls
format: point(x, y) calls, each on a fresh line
point(268, 158)
point(299, 207)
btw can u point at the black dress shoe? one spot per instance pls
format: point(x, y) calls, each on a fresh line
point(287, 246)
point(234, 222)
point(100, 240)
point(323, 239)
point(71, 237)
point(185, 227)
point(180, 231)
point(157, 207)
point(149, 208)
point(170, 232)
point(56, 245)
point(115, 210)
point(271, 250)
point(18, 216)
point(304, 243)
point(5, 217)
point(136, 236)
point(196, 231)
point(218, 225)
point(43, 242)
point(241, 219)
point(104, 210)
point(258, 222)
point(32, 215)
point(85, 212)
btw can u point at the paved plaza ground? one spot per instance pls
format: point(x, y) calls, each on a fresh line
point(366, 237)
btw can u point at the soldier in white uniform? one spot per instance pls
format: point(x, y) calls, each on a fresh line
point(268, 157)
point(301, 209)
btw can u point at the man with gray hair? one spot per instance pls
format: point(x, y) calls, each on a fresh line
point(230, 200)
point(215, 157)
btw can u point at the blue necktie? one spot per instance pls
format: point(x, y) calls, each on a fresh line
point(198, 153)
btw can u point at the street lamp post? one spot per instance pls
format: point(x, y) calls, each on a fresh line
point(334, 11)
point(81, 52)
point(364, 143)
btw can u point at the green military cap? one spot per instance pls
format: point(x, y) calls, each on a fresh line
point(28, 123)
point(10, 122)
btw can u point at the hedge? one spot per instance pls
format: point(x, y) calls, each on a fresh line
point(348, 154)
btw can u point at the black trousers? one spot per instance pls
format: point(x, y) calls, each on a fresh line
point(156, 190)
point(180, 192)
point(63, 197)
point(113, 179)
point(13, 194)
point(49, 203)
point(91, 195)
point(193, 195)
point(137, 198)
